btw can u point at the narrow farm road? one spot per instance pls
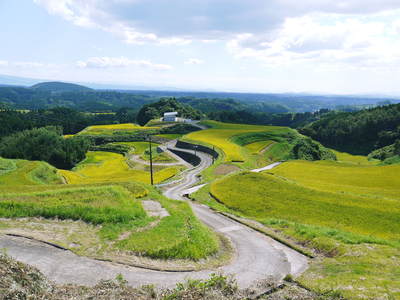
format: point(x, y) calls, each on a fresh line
point(257, 257)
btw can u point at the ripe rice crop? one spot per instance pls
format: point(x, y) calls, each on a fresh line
point(375, 182)
point(111, 167)
point(225, 137)
point(264, 196)
point(23, 172)
point(113, 129)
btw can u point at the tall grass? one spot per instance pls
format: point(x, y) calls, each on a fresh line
point(96, 205)
point(180, 235)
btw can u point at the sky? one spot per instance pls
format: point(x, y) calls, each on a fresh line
point(313, 46)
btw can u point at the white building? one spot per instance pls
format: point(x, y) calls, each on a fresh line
point(170, 116)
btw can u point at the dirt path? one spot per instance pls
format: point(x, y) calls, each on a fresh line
point(269, 167)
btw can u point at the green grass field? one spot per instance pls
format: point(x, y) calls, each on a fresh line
point(111, 167)
point(170, 136)
point(268, 196)
point(142, 149)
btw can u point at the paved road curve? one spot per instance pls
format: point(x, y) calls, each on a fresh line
point(257, 257)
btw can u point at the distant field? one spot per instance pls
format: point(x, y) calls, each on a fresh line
point(111, 167)
point(113, 129)
point(170, 136)
point(355, 159)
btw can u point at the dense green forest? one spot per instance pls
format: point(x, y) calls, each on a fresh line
point(45, 144)
point(293, 120)
point(357, 132)
point(70, 120)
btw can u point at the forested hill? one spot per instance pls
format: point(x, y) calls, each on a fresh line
point(357, 132)
point(60, 87)
point(156, 110)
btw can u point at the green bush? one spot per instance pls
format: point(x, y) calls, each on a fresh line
point(307, 149)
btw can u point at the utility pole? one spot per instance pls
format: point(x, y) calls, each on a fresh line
point(213, 158)
point(151, 161)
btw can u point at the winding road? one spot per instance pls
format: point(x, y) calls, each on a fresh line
point(256, 258)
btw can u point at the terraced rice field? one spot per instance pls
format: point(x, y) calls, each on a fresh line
point(111, 167)
point(114, 129)
point(257, 147)
point(23, 172)
point(376, 182)
point(224, 137)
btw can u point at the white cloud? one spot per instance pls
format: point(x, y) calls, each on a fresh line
point(321, 39)
point(348, 32)
point(27, 64)
point(121, 62)
point(3, 63)
point(177, 21)
point(194, 61)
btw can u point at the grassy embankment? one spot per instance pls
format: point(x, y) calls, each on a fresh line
point(348, 210)
point(142, 149)
point(101, 214)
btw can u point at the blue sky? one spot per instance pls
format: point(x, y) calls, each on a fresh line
point(328, 46)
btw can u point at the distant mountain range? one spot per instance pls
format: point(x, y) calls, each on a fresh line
point(60, 87)
point(26, 93)
point(7, 80)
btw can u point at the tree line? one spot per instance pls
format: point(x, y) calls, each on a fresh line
point(357, 132)
point(45, 144)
